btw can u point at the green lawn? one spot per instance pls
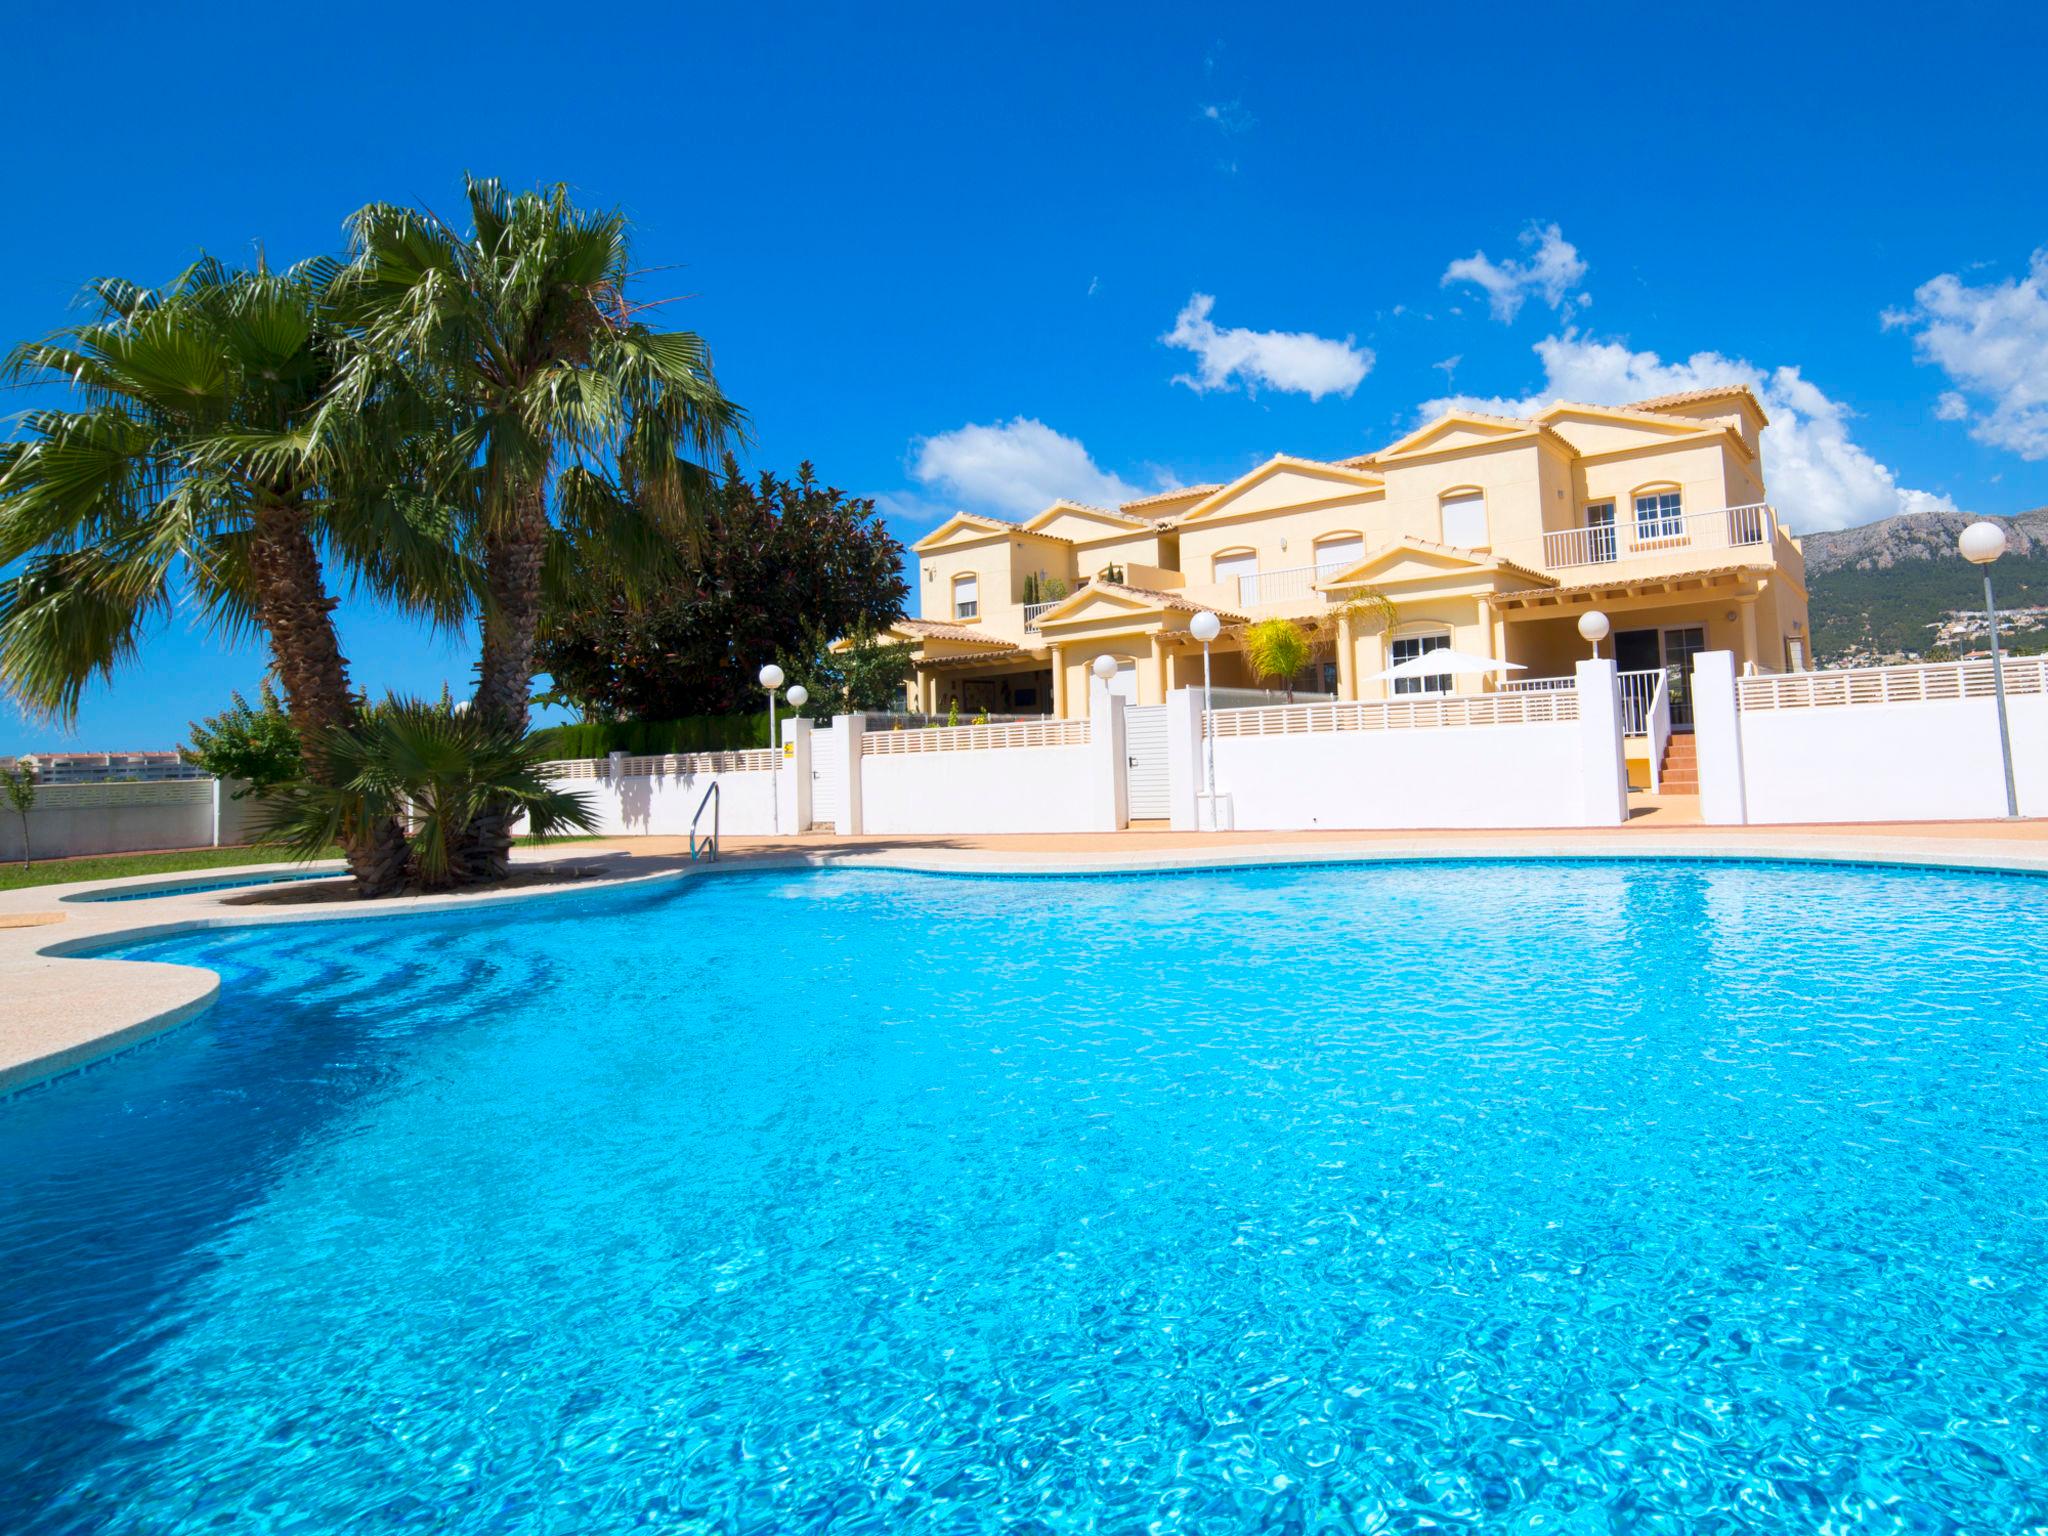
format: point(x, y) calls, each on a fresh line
point(118, 866)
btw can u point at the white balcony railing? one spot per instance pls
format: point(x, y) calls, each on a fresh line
point(1296, 584)
point(1033, 610)
point(1604, 543)
point(1638, 695)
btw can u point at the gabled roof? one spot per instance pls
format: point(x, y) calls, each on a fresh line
point(1218, 500)
point(1129, 599)
point(1065, 508)
point(1440, 558)
point(1500, 429)
point(1655, 422)
point(976, 523)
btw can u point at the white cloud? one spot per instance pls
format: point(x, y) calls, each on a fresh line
point(1295, 361)
point(1992, 342)
point(1016, 468)
point(1230, 116)
point(1818, 475)
point(1552, 270)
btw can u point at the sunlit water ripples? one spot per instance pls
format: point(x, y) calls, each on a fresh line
point(1536, 1197)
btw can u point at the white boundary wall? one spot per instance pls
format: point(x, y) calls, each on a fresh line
point(1535, 759)
point(1869, 744)
point(1050, 776)
point(71, 820)
point(657, 796)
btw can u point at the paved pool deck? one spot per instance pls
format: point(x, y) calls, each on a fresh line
point(60, 1013)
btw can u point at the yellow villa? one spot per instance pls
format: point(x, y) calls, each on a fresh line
point(1493, 535)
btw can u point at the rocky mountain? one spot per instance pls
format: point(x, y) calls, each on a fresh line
point(1884, 589)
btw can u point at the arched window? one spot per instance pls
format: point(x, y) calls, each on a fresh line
point(1660, 513)
point(1238, 569)
point(966, 597)
point(1337, 551)
point(1464, 517)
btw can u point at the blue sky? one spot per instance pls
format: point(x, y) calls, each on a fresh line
point(941, 253)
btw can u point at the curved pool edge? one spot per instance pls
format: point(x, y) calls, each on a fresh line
point(70, 1010)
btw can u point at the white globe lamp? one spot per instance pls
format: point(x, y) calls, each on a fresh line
point(771, 676)
point(1206, 627)
point(798, 696)
point(1593, 627)
point(1105, 667)
point(1981, 543)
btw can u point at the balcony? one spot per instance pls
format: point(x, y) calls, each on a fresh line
point(1033, 610)
point(1751, 527)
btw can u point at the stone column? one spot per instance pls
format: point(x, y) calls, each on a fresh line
point(1059, 683)
point(1717, 738)
point(1184, 762)
point(1109, 808)
point(1601, 766)
point(793, 796)
point(845, 740)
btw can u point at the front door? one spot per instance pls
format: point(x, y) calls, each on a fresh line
point(1680, 646)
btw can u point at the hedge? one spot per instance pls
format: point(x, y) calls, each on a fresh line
point(654, 738)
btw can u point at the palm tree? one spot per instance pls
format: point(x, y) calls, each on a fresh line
point(180, 473)
point(577, 431)
point(1277, 648)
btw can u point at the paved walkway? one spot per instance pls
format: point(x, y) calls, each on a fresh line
point(62, 1013)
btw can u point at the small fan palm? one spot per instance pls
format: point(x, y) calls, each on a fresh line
point(435, 768)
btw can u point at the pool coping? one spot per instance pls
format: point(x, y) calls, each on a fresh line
point(68, 1009)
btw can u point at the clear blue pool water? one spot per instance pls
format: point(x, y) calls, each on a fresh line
point(1540, 1197)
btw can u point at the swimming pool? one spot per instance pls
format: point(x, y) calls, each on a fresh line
point(1557, 1197)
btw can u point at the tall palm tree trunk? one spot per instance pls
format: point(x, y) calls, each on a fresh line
point(298, 614)
point(513, 558)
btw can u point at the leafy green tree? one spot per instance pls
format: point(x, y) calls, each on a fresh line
point(860, 673)
point(21, 795)
point(1277, 648)
point(575, 431)
point(781, 568)
point(180, 469)
point(259, 746)
point(441, 768)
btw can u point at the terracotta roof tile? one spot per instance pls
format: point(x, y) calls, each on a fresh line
point(939, 630)
point(1639, 579)
point(1687, 397)
point(1177, 495)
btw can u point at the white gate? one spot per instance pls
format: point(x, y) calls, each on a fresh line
point(826, 763)
point(1145, 749)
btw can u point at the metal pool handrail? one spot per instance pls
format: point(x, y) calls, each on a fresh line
point(711, 799)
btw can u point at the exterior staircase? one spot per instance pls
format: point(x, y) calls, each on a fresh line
point(1679, 773)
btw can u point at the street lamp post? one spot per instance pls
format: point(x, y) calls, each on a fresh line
point(770, 678)
point(1981, 544)
point(1205, 628)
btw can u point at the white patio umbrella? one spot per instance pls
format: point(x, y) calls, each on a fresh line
point(1445, 662)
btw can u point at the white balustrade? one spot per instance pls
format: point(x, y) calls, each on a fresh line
point(1604, 543)
point(1890, 685)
